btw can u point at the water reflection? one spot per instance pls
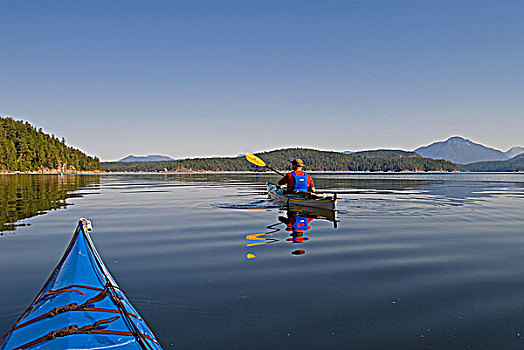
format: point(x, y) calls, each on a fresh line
point(25, 196)
point(404, 260)
point(449, 186)
point(297, 221)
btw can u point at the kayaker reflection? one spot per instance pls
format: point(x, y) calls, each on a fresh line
point(297, 181)
point(297, 223)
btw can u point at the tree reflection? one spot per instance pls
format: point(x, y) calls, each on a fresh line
point(25, 196)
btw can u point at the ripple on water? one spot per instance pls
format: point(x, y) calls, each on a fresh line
point(432, 255)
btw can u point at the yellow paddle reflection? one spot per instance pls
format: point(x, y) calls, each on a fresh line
point(296, 223)
point(259, 239)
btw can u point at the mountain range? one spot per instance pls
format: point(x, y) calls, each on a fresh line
point(315, 160)
point(456, 149)
point(148, 158)
point(514, 151)
point(463, 151)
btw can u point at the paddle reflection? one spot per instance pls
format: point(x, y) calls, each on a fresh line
point(296, 222)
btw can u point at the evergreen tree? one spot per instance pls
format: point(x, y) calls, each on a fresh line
point(24, 148)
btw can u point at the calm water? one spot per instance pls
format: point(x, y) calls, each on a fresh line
point(416, 261)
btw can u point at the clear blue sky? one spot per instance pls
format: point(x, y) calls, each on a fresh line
point(199, 78)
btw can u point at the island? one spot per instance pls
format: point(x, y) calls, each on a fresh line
point(24, 149)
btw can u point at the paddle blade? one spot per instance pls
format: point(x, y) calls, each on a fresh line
point(255, 160)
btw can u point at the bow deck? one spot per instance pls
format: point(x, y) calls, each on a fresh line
point(80, 307)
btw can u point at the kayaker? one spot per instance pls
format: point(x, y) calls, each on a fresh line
point(297, 180)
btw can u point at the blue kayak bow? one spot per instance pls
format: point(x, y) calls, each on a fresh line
point(80, 307)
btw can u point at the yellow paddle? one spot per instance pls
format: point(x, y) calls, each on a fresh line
point(259, 162)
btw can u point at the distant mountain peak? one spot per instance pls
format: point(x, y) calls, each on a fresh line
point(514, 151)
point(460, 150)
point(457, 138)
point(148, 158)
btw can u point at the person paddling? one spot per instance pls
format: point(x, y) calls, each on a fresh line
point(297, 180)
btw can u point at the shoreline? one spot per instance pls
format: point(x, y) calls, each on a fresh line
point(50, 172)
point(101, 172)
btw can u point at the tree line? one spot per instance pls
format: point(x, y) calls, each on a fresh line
point(315, 160)
point(511, 165)
point(24, 148)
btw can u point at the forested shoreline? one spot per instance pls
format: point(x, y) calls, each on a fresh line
point(25, 149)
point(515, 164)
point(315, 160)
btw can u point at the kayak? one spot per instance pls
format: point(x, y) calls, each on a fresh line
point(307, 200)
point(80, 307)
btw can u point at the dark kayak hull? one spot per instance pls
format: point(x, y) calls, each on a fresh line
point(80, 307)
point(327, 202)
